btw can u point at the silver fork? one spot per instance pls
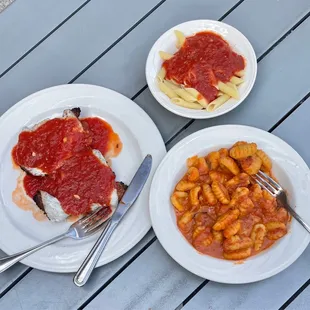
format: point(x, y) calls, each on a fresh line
point(276, 190)
point(83, 228)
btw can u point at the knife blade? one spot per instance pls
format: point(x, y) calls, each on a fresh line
point(134, 189)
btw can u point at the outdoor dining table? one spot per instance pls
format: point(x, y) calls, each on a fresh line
point(106, 43)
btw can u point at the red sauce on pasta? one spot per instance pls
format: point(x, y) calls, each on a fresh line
point(202, 61)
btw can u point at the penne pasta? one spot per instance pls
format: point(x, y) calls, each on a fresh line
point(240, 73)
point(187, 71)
point(199, 98)
point(185, 104)
point(194, 92)
point(232, 85)
point(203, 102)
point(161, 74)
point(165, 55)
point(228, 90)
point(167, 90)
point(180, 38)
point(215, 104)
point(236, 80)
point(171, 85)
point(185, 95)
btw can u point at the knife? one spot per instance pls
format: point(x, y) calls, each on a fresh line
point(135, 187)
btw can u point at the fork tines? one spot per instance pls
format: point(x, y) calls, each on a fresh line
point(267, 183)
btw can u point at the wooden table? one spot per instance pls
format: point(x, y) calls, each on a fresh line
point(46, 43)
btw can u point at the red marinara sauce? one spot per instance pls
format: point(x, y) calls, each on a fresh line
point(76, 177)
point(103, 137)
point(50, 144)
point(81, 181)
point(204, 59)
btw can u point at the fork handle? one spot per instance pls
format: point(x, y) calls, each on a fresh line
point(297, 217)
point(92, 258)
point(8, 261)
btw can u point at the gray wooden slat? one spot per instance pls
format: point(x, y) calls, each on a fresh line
point(24, 23)
point(71, 48)
point(43, 76)
point(9, 276)
point(261, 29)
point(269, 19)
point(301, 302)
point(158, 283)
point(271, 293)
point(41, 290)
point(274, 77)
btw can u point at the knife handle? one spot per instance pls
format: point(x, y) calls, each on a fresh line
point(92, 258)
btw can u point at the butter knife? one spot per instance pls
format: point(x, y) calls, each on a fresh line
point(135, 187)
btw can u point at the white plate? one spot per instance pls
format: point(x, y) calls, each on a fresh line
point(288, 167)
point(19, 230)
point(166, 42)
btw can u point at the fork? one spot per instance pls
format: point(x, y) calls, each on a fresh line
point(276, 190)
point(83, 228)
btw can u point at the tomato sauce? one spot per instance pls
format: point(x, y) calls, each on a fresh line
point(201, 216)
point(204, 59)
point(103, 137)
point(64, 149)
point(48, 146)
point(80, 182)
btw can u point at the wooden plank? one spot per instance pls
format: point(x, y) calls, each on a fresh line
point(173, 12)
point(271, 293)
point(156, 285)
point(273, 94)
point(269, 20)
point(42, 290)
point(301, 302)
point(71, 48)
point(38, 78)
point(9, 276)
point(266, 112)
point(25, 23)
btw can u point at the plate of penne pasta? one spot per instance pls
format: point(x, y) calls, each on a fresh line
point(201, 69)
point(215, 220)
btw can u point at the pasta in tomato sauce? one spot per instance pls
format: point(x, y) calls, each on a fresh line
point(221, 211)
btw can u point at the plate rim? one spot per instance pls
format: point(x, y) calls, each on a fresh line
point(184, 112)
point(161, 153)
point(170, 251)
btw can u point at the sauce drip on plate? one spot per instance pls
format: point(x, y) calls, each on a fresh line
point(103, 137)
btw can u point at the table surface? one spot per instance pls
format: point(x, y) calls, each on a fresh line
point(47, 43)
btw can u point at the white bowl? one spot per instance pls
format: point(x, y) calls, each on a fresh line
point(166, 42)
point(288, 167)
